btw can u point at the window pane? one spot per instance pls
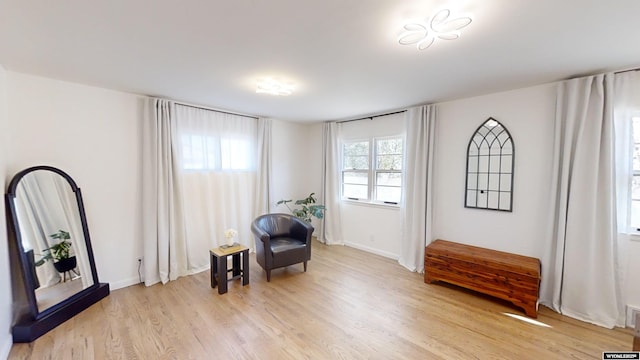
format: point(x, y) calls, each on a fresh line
point(355, 191)
point(389, 179)
point(389, 162)
point(359, 162)
point(352, 177)
point(198, 152)
point(356, 148)
point(389, 147)
point(236, 154)
point(635, 188)
point(635, 214)
point(636, 129)
point(636, 157)
point(388, 193)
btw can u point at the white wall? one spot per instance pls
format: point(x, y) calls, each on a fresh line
point(5, 280)
point(373, 228)
point(92, 134)
point(632, 278)
point(528, 114)
point(295, 162)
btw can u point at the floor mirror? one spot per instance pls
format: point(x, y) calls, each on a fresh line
point(54, 274)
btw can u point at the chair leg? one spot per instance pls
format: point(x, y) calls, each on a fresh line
point(305, 266)
point(268, 275)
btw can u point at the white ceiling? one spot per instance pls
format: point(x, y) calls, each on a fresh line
point(343, 55)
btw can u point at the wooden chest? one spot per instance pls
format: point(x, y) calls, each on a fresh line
point(510, 277)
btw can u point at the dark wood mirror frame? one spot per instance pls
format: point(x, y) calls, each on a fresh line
point(29, 322)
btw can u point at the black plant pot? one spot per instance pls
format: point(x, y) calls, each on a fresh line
point(67, 264)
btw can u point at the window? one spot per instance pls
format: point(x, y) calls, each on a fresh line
point(355, 173)
point(635, 181)
point(202, 152)
point(372, 170)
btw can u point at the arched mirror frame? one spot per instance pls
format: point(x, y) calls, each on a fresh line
point(33, 323)
point(505, 167)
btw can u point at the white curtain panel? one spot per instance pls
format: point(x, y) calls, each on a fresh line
point(417, 208)
point(217, 155)
point(331, 226)
point(580, 266)
point(163, 232)
point(263, 198)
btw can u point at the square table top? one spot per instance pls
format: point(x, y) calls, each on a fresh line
point(234, 249)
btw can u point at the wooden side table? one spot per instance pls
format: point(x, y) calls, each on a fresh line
point(219, 268)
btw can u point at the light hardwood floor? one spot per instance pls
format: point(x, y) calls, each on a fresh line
point(349, 305)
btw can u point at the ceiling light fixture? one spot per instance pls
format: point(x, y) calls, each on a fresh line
point(439, 26)
point(273, 87)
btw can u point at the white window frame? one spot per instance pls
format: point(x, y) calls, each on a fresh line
point(634, 230)
point(373, 171)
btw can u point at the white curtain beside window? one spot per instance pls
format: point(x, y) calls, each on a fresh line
point(200, 179)
point(417, 208)
point(263, 198)
point(219, 193)
point(580, 269)
point(331, 226)
point(163, 232)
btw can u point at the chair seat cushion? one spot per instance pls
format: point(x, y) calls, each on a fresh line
point(282, 244)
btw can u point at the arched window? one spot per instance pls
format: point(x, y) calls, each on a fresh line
point(490, 160)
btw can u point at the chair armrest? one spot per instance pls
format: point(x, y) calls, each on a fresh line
point(301, 230)
point(260, 234)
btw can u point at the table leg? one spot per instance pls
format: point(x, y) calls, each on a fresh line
point(245, 267)
point(236, 265)
point(214, 269)
point(222, 275)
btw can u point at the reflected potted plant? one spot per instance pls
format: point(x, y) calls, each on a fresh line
point(308, 208)
point(60, 253)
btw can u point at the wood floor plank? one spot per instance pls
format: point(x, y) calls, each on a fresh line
point(349, 305)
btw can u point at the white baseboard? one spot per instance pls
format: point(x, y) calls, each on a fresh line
point(123, 283)
point(372, 250)
point(631, 315)
point(6, 346)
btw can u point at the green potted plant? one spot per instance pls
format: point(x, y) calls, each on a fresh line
point(307, 209)
point(60, 253)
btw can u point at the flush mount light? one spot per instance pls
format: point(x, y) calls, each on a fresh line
point(273, 87)
point(439, 26)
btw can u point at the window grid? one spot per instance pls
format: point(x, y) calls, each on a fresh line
point(377, 191)
point(490, 157)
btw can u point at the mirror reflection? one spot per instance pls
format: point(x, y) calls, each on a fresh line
point(52, 237)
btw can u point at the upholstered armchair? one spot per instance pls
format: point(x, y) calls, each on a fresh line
point(281, 240)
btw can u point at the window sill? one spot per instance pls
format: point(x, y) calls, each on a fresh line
point(634, 236)
point(371, 204)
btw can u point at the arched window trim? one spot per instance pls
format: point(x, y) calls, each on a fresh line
point(498, 183)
